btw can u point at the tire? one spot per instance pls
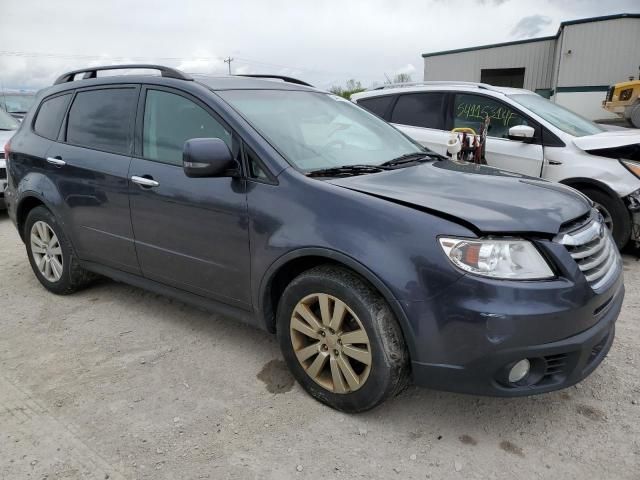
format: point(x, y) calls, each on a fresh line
point(634, 116)
point(616, 210)
point(68, 277)
point(387, 372)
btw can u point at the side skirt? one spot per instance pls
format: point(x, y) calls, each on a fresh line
point(204, 303)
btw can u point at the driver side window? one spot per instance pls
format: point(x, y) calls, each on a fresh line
point(470, 111)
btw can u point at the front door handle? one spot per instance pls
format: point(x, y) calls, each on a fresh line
point(144, 181)
point(57, 161)
point(554, 162)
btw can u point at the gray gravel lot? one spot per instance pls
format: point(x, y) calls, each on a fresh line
point(115, 382)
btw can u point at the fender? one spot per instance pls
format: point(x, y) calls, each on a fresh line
point(570, 182)
point(338, 257)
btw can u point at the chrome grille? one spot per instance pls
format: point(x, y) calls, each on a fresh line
point(593, 249)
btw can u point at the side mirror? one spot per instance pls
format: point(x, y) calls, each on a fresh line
point(208, 157)
point(523, 133)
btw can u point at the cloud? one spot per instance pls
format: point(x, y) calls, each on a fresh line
point(530, 26)
point(325, 42)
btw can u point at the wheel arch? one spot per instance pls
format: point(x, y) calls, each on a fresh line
point(583, 182)
point(27, 202)
point(292, 264)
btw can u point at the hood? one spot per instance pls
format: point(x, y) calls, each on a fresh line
point(608, 139)
point(490, 200)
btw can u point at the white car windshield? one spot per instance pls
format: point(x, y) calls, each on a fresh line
point(317, 131)
point(560, 117)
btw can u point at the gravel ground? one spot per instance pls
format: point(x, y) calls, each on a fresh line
point(115, 382)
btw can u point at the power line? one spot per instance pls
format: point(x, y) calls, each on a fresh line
point(228, 60)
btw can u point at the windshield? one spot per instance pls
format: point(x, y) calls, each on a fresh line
point(316, 131)
point(558, 116)
point(7, 122)
point(14, 103)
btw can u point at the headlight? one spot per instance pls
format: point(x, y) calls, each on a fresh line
point(3, 163)
point(633, 167)
point(512, 259)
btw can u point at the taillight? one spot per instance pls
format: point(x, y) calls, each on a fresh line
point(7, 150)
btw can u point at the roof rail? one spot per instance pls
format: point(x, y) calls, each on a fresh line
point(92, 72)
point(485, 86)
point(279, 77)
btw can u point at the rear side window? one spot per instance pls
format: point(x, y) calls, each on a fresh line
point(101, 119)
point(377, 105)
point(420, 110)
point(170, 120)
point(50, 116)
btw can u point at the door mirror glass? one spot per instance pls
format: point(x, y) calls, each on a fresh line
point(208, 157)
point(522, 133)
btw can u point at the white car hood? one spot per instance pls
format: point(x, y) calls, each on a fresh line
point(610, 139)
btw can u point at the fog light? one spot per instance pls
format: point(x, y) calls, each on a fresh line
point(519, 371)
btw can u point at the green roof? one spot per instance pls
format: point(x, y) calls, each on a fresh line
point(539, 39)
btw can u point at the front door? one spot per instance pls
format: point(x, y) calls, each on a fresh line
point(190, 233)
point(470, 110)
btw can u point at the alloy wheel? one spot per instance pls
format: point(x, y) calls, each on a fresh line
point(46, 251)
point(330, 343)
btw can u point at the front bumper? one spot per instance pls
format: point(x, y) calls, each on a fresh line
point(3, 186)
point(466, 339)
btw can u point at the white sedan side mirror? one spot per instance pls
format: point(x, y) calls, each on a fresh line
point(521, 132)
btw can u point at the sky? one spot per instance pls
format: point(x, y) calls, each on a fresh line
point(325, 42)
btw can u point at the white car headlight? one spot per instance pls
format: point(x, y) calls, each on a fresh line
point(513, 259)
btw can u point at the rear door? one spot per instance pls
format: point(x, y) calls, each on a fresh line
point(470, 110)
point(191, 233)
point(422, 116)
point(89, 164)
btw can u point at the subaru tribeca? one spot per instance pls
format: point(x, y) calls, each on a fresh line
point(373, 259)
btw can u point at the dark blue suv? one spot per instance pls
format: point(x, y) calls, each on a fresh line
point(374, 260)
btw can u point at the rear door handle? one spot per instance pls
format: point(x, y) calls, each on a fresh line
point(144, 181)
point(58, 162)
point(554, 162)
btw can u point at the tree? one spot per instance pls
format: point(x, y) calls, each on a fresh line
point(352, 86)
point(402, 78)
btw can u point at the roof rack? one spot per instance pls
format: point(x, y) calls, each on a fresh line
point(485, 86)
point(279, 77)
point(92, 72)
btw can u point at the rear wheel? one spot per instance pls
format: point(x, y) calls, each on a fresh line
point(341, 339)
point(615, 215)
point(50, 254)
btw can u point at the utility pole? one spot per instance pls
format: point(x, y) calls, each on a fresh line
point(228, 60)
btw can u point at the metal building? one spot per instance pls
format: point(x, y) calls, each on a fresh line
point(574, 67)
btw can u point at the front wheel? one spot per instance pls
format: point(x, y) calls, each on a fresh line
point(615, 215)
point(341, 340)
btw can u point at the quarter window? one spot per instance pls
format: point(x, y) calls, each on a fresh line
point(101, 119)
point(470, 111)
point(170, 120)
point(420, 110)
point(50, 116)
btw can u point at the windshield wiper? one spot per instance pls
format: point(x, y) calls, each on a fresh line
point(416, 157)
point(346, 170)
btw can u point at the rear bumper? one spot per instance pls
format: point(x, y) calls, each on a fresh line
point(554, 365)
